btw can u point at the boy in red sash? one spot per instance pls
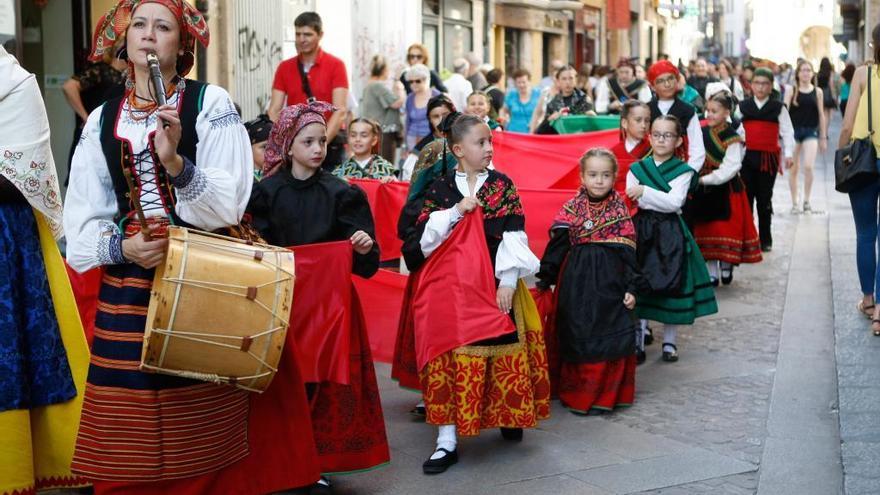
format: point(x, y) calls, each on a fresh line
point(764, 119)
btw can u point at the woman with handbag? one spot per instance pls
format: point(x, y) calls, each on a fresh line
point(857, 125)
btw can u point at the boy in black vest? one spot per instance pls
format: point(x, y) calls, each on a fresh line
point(664, 77)
point(764, 119)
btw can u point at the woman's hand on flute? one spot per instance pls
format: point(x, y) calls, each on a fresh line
point(167, 139)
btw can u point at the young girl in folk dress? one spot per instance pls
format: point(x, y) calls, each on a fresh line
point(298, 203)
point(591, 258)
point(506, 376)
point(719, 208)
point(478, 104)
point(635, 120)
point(365, 161)
point(680, 290)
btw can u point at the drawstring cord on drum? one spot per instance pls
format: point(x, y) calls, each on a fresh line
point(248, 292)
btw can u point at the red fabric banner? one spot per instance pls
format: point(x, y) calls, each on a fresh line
point(540, 207)
point(320, 321)
point(381, 296)
point(449, 312)
point(386, 201)
point(535, 161)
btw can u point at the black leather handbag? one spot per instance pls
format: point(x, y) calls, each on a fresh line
point(855, 165)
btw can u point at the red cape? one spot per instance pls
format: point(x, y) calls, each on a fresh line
point(454, 304)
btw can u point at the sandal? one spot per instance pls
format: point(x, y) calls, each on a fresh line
point(868, 311)
point(876, 330)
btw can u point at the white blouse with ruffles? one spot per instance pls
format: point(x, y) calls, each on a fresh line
point(514, 259)
point(215, 197)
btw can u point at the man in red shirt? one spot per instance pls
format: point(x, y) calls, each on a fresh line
point(326, 77)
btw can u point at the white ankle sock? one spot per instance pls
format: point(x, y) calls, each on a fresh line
point(712, 266)
point(421, 404)
point(669, 334)
point(446, 439)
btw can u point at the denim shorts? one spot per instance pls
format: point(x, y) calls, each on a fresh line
point(801, 134)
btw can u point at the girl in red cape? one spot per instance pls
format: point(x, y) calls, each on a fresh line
point(634, 145)
point(719, 207)
point(145, 433)
point(591, 259)
point(500, 382)
point(635, 118)
point(299, 203)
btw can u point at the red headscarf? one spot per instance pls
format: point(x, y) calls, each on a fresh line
point(113, 25)
point(292, 120)
point(660, 68)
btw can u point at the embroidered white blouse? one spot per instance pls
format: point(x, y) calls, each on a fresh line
point(215, 194)
point(514, 259)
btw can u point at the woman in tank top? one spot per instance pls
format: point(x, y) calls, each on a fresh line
point(864, 200)
point(808, 120)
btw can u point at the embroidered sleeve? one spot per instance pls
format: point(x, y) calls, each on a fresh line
point(109, 246)
point(218, 192)
point(186, 176)
point(91, 205)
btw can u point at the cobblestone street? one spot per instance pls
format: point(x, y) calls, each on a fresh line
point(705, 424)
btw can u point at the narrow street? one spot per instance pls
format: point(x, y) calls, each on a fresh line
point(752, 407)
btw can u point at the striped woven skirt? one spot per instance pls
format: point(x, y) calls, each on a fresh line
point(144, 433)
point(140, 426)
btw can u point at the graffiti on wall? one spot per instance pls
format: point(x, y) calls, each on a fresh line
point(258, 55)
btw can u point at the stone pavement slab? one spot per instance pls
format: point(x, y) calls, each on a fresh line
point(668, 470)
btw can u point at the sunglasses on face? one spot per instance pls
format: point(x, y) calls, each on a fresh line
point(665, 81)
point(416, 81)
point(414, 56)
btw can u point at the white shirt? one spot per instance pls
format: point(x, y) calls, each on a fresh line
point(514, 259)
point(696, 150)
point(216, 197)
point(653, 199)
point(603, 96)
point(458, 88)
point(786, 129)
point(630, 144)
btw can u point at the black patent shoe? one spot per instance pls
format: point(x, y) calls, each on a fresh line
point(766, 247)
point(437, 466)
point(714, 281)
point(670, 356)
point(640, 356)
point(727, 275)
point(321, 488)
point(512, 434)
point(648, 339)
point(418, 411)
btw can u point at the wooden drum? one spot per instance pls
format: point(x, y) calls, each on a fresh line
point(219, 310)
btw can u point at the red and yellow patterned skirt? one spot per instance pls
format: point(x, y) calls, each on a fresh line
point(479, 387)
